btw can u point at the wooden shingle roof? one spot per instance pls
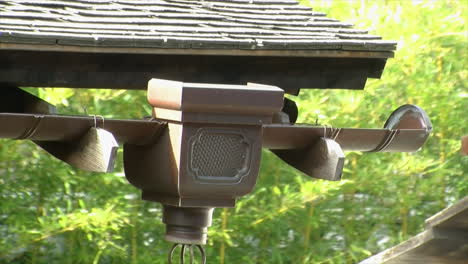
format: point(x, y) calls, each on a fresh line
point(155, 25)
point(121, 44)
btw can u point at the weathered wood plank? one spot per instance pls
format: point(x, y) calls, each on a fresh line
point(432, 246)
point(455, 216)
point(445, 241)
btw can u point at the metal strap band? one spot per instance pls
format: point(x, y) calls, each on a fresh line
point(387, 140)
point(334, 132)
point(32, 130)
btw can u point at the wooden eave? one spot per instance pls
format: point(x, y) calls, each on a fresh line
point(121, 44)
point(23, 68)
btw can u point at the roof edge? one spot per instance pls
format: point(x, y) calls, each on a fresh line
point(223, 52)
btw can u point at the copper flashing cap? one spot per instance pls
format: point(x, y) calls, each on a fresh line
point(409, 117)
point(214, 103)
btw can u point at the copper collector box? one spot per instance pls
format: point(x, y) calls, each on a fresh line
point(210, 152)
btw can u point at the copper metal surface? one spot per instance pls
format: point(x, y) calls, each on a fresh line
point(317, 151)
point(281, 136)
point(187, 225)
point(409, 117)
point(323, 160)
point(208, 156)
point(144, 132)
point(42, 127)
point(214, 103)
point(406, 130)
point(212, 145)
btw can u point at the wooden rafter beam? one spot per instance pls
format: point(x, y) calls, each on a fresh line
point(133, 71)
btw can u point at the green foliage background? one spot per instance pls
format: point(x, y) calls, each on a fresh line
point(51, 213)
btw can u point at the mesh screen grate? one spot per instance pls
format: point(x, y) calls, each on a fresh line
point(219, 155)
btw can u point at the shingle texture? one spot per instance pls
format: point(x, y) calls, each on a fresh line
point(180, 24)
